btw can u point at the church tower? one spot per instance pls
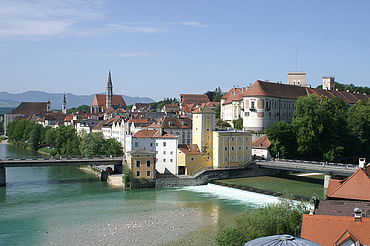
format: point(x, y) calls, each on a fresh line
point(109, 92)
point(64, 105)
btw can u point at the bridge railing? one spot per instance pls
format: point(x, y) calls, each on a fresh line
point(316, 163)
point(62, 158)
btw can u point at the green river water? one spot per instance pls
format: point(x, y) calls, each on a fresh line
point(67, 206)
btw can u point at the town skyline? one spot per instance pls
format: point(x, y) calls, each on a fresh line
point(171, 48)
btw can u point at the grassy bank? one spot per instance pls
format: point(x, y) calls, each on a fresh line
point(290, 184)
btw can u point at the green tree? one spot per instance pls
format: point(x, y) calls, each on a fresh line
point(112, 147)
point(35, 137)
point(216, 95)
point(218, 111)
point(67, 141)
point(320, 126)
point(238, 124)
point(222, 124)
point(283, 140)
point(358, 119)
point(50, 137)
point(79, 109)
point(284, 217)
point(93, 144)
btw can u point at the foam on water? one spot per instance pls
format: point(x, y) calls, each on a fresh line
point(228, 193)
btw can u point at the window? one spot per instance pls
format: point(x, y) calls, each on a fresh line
point(246, 147)
point(207, 129)
point(164, 143)
point(232, 148)
point(148, 163)
point(232, 139)
point(240, 147)
point(156, 144)
point(136, 144)
point(171, 152)
point(192, 159)
point(137, 163)
point(164, 152)
point(151, 144)
point(137, 173)
point(225, 158)
point(171, 160)
point(225, 148)
point(267, 104)
point(252, 104)
point(147, 173)
point(246, 113)
point(164, 160)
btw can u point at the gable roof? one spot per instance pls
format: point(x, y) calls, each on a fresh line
point(100, 100)
point(341, 207)
point(356, 187)
point(261, 142)
point(152, 134)
point(327, 230)
point(193, 98)
point(189, 149)
point(270, 89)
point(31, 108)
point(234, 94)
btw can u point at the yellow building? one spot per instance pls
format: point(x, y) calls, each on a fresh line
point(204, 122)
point(142, 164)
point(190, 159)
point(231, 148)
point(213, 148)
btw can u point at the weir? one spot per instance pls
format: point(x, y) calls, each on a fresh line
point(2, 176)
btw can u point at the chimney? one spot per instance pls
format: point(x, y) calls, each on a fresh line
point(362, 162)
point(358, 214)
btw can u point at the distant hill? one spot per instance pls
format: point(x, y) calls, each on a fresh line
point(13, 100)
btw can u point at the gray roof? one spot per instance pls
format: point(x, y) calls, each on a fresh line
point(280, 240)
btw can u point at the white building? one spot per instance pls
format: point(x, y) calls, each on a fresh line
point(181, 127)
point(164, 144)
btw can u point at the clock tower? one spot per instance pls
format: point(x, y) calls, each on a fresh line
point(328, 83)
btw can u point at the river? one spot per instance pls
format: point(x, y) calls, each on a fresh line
point(67, 206)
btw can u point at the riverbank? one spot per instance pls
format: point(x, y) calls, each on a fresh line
point(295, 186)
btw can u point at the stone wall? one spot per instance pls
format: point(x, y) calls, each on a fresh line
point(252, 170)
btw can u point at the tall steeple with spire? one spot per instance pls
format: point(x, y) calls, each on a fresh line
point(64, 105)
point(109, 91)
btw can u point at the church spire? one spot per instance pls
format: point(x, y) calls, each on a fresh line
point(109, 91)
point(64, 105)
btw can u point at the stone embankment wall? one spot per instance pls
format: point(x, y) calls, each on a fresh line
point(252, 170)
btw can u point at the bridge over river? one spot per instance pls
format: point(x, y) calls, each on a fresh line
point(328, 168)
point(50, 162)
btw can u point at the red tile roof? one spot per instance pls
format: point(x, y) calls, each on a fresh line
point(270, 89)
point(100, 100)
point(139, 121)
point(234, 94)
point(329, 230)
point(189, 149)
point(193, 98)
point(152, 134)
point(356, 187)
point(261, 142)
point(69, 117)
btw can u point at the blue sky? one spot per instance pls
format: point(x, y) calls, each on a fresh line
point(161, 48)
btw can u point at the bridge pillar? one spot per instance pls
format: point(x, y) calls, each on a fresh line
point(326, 181)
point(2, 176)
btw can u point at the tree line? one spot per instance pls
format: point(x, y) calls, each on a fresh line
point(61, 141)
point(323, 128)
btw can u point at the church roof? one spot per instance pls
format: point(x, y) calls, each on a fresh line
point(100, 100)
point(31, 108)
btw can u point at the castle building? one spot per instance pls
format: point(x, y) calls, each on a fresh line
point(266, 102)
point(101, 103)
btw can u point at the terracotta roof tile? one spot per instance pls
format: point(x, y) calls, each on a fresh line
point(193, 98)
point(327, 230)
point(152, 134)
point(356, 187)
point(261, 142)
point(172, 123)
point(100, 100)
point(189, 149)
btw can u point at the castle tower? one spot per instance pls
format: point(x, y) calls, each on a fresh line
point(204, 122)
point(328, 83)
point(109, 92)
point(297, 78)
point(64, 105)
